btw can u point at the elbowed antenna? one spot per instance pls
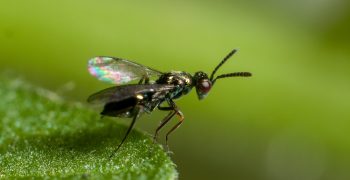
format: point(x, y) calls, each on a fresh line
point(222, 62)
point(235, 74)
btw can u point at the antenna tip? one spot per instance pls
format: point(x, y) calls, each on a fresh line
point(247, 74)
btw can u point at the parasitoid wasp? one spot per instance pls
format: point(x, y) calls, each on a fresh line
point(154, 88)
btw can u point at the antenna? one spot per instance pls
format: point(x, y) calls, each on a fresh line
point(235, 74)
point(222, 62)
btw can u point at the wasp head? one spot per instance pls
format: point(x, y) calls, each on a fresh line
point(203, 84)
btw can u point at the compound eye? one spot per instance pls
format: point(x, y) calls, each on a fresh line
point(204, 86)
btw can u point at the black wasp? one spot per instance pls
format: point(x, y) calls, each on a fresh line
point(132, 99)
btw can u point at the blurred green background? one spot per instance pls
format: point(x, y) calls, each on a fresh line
point(289, 121)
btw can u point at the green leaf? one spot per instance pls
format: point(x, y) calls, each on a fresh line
point(41, 135)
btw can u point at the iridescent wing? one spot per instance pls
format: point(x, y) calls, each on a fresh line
point(120, 93)
point(119, 71)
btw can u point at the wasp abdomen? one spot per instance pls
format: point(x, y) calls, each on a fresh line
point(114, 109)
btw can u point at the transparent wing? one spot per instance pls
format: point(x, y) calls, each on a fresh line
point(119, 71)
point(119, 93)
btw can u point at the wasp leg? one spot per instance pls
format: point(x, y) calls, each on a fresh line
point(127, 132)
point(166, 118)
point(163, 122)
point(144, 78)
point(141, 80)
point(180, 114)
point(166, 108)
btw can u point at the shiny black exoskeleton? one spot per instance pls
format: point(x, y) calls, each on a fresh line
point(131, 100)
